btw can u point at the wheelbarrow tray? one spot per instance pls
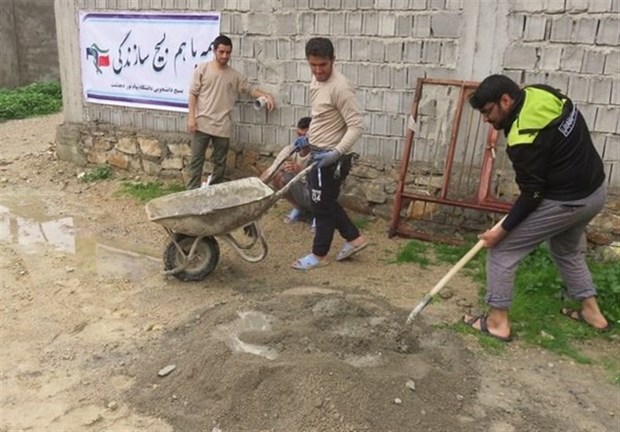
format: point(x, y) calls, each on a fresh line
point(215, 210)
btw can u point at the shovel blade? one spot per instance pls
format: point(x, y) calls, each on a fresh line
point(416, 311)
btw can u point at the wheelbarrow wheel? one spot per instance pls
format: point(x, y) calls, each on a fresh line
point(204, 261)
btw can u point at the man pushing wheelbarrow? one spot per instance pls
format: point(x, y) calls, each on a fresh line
point(336, 125)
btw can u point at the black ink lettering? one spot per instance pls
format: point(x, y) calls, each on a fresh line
point(159, 61)
point(179, 52)
point(119, 60)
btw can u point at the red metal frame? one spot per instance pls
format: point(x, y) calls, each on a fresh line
point(484, 200)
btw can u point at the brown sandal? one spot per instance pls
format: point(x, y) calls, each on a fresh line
point(576, 315)
point(484, 328)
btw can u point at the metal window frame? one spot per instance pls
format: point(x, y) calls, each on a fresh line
point(484, 200)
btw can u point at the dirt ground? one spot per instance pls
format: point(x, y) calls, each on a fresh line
point(89, 323)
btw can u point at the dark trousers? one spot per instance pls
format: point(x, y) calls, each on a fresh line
point(200, 142)
point(329, 214)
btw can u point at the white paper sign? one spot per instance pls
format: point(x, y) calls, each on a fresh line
point(143, 60)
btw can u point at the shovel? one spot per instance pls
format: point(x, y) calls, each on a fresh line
point(459, 265)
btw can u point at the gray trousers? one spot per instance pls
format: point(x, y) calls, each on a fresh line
point(200, 142)
point(299, 192)
point(563, 224)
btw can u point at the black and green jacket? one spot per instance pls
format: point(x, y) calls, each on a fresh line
point(549, 145)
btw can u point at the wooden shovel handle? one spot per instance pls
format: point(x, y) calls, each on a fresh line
point(444, 280)
point(461, 263)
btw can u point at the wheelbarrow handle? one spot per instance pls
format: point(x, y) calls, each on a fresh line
point(280, 162)
point(295, 179)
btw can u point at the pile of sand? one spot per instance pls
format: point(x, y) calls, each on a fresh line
point(306, 359)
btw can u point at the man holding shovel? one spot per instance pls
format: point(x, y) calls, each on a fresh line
point(562, 187)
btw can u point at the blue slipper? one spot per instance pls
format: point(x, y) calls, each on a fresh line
point(308, 262)
point(293, 216)
point(348, 249)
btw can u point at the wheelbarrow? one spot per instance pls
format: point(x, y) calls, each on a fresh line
point(196, 219)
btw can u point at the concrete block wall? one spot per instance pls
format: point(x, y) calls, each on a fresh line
point(383, 46)
point(573, 45)
point(27, 42)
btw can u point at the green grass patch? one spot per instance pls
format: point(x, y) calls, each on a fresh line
point(451, 254)
point(426, 253)
point(146, 191)
point(538, 297)
point(607, 280)
point(535, 313)
point(361, 222)
point(415, 251)
point(98, 173)
point(31, 100)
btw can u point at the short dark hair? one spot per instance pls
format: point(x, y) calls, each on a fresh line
point(320, 47)
point(221, 40)
point(304, 123)
point(491, 89)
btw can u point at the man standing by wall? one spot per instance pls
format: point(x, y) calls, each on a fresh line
point(212, 94)
point(336, 125)
point(562, 187)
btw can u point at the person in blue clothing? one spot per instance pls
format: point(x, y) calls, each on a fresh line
point(296, 156)
point(562, 187)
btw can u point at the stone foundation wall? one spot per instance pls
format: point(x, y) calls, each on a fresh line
point(166, 154)
point(369, 189)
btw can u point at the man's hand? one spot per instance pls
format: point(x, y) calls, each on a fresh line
point(191, 124)
point(291, 167)
point(493, 236)
point(300, 143)
point(327, 158)
point(271, 102)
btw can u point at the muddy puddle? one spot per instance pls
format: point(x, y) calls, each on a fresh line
point(25, 224)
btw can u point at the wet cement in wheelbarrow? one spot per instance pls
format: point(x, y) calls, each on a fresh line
point(308, 359)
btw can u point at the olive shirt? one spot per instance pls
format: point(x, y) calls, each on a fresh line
point(336, 119)
point(217, 90)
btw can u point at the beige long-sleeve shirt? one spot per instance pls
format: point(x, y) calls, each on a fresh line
point(217, 90)
point(336, 119)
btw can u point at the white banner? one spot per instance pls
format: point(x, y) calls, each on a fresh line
point(143, 60)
